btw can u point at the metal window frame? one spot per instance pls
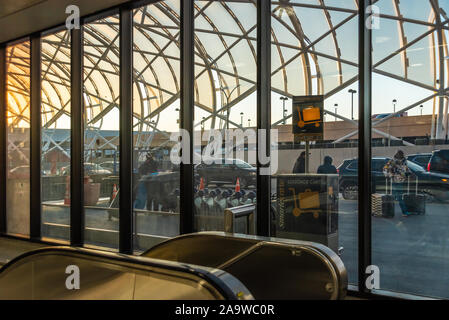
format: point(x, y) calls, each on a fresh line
point(76, 139)
point(3, 142)
point(187, 109)
point(35, 137)
point(126, 213)
point(263, 113)
point(364, 146)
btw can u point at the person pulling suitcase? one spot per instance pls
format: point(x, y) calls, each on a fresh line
point(397, 170)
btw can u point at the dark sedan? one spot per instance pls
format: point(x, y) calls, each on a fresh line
point(226, 172)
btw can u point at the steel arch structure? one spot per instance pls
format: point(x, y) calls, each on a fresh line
point(314, 51)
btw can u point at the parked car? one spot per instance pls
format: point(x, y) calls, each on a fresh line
point(433, 184)
point(439, 162)
point(348, 176)
point(89, 168)
point(227, 172)
point(421, 159)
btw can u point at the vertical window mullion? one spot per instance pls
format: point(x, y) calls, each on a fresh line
point(263, 112)
point(3, 144)
point(126, 131)
point(187, 114)
point(364, 146)
point(35, 139)
point(76, 140)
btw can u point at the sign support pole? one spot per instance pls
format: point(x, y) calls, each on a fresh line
point(307, 157)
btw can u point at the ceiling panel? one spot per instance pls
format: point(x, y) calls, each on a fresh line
point(19, 18)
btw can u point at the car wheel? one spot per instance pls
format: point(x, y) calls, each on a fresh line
point(350, 192)
point(429, 194)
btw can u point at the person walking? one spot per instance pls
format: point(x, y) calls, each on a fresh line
point(300, 164)
point(327, 167)
point(148, 167)
point(397, 170)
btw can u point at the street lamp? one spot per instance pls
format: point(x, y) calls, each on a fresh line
point(249, 122)
point(421, 106)
point(283, 109)
point(394, 105)
point(352, 91)
point(228, 97)
point(241, 119)
point(336, 106)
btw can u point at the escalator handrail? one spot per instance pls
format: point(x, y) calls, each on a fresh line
point(213, 276)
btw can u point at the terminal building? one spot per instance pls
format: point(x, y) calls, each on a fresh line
point(181, 149)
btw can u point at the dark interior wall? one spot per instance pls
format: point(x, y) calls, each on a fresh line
point(20, 18)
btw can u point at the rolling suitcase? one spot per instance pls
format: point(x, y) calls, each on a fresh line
point(388, 201)
point(414, 202)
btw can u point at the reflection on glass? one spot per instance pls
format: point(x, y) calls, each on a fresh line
point(314, 65)
point(18, 139)
point(410, 149)
point(225, 108)
point(55, 140)
point(101, 132)
point(156, 117)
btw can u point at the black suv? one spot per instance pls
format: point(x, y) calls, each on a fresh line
point(439, 162)
point(434, 184)
point(421, 159)
point(226, 172)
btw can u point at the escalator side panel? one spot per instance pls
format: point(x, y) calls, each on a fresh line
point(200, 250)
point(158, 288)
point(287, 274)
point(42, 275)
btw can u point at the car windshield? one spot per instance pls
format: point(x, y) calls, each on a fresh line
point(414, 167)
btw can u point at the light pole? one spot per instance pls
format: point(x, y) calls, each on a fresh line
point(394, 105)
point(421, 106)
point(249, 122)
point(241, 119)
point(352, 91)
point(283, 109)
point(228, 97)
point(177, 110)
point(336, 106)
